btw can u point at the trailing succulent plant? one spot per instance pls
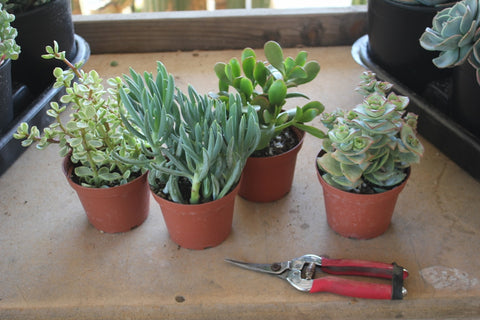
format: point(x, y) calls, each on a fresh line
point(369, 148)
point(265, 85)
point(455, 32)
point(94, 130)
point(194, 146)
point(9, 49)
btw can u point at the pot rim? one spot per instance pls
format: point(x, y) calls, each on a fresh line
point(67, 168)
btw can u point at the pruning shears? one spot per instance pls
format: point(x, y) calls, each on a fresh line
point(300, 273)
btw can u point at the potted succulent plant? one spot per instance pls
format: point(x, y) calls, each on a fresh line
point(455, 33)
point(365, 160)
point(39, 23)
point(394, 27)
point(114, 194)
point(9, 50)
point(265, 85)
point(195, 148)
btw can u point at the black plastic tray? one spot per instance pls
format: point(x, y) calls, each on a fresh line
point(457, 143)
point(35, 114)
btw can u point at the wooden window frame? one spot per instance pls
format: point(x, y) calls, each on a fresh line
point(221, 29)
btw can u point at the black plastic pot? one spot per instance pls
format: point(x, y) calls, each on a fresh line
point(394, 30)
point(6, 97)
point(38, 28)
point(465, 107)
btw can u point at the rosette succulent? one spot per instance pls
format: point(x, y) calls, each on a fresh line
point(265, 85)
point(455, 32)
point(369, 148)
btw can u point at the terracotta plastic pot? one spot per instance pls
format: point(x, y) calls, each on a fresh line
point(267, 179)
point(199, 226)
point(359, 216)
point(116, 209)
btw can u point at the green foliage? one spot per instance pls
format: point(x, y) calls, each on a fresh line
point(373, 143)
point(455, 33)
point(94, 130)
point(188, 137)
point(265, 85)
point(8, 47)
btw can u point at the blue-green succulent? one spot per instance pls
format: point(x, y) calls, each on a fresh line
point(189, 139)
point(371, 146)
point(455, 32)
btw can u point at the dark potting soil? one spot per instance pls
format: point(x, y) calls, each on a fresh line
point(285, 141)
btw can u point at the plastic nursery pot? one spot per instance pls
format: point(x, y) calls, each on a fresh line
point(267, 179)
point(6, 97)
point(359, 216)
point(466, 94)
point(38, 28)
point(394, 30)
point(115, 209)
point(199, 226)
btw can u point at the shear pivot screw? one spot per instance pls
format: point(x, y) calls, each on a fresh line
point(276, 266)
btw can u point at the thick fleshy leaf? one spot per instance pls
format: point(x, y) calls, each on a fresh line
point(329, 164)
point(446, 59)
point(430, 39)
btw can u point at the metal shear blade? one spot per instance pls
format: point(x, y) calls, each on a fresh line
point(273, 268)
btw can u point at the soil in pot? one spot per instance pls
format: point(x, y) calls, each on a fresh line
point(114, 209)
point(198, 226)
point(268, 178)
point(359, 216)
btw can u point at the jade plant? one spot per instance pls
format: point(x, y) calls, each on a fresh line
point(266, 84)
point(194, 146)
point(9, 49)
point(455, 32)
point(93, 130)
point(369, 148)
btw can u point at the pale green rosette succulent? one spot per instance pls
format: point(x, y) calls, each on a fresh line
point(455, 33)
point(371, 146)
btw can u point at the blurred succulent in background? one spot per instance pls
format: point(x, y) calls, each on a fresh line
point(9, 49)
point(369, 148)
point(455, 32)
point(265, 85)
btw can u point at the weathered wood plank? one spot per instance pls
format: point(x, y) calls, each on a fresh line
point(223, 29)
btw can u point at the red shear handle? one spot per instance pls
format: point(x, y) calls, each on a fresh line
point(352, 288)
point(359, 268)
